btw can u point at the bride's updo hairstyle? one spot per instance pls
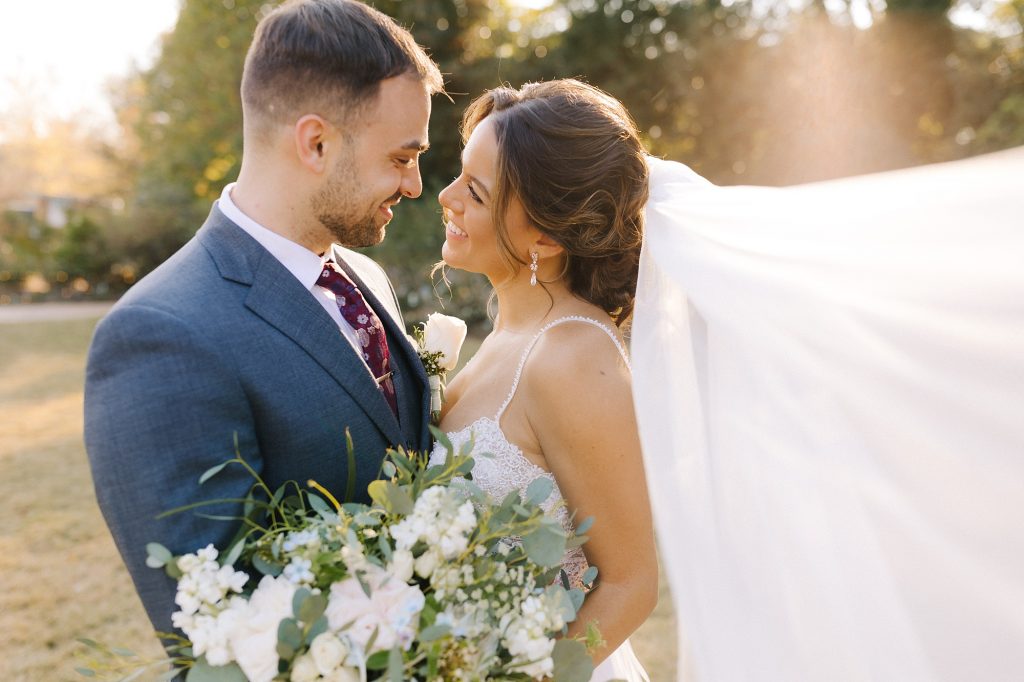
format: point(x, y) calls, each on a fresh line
point(571, 155)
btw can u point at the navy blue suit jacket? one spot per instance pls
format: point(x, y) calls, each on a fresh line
point(221, 341)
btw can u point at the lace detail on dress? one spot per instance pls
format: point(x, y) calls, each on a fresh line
point(501, 467)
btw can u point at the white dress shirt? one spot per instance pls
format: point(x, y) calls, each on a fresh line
point(297, 259)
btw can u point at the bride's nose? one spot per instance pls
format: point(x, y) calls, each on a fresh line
point(447, 199)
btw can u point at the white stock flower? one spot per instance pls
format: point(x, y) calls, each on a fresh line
point(392, 609)
point(254, 641)
point(427, 562)
point(401, 566)
point(304, 669)
point(444, 334)
point(441, 519)
point(525, 637)
point(328, 652)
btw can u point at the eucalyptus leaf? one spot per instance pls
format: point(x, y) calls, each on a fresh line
point(378, 661)
point(289, 638)
point(395, 665)
point(388, 469)
point(201, 671)
point(157, 555)
point(275, 501)
point(571, 662)
point(213, 471)
point(312, 608)
point(540, 490)
point(590, 575)
point(318, 504)
point(365, 519)
point(127, 653)
point(585, 525)
point(577, 597)
point(317, 629)
point(394, 498)
point(385, 548)
point(436, 631)
point(86, 672)
point(233, 553)
point(300, 596)
point(265, 567)
point(545, 544)
point(442, 438)
point(561, 600)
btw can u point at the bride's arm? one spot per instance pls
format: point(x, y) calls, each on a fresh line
point(581, 410)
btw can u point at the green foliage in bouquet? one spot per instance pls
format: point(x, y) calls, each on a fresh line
point(432, 581)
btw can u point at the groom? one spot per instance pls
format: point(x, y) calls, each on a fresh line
point(262, 328)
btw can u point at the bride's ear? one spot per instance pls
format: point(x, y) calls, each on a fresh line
point(546, 247)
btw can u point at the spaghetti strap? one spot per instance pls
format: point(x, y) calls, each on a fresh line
point(536, 337)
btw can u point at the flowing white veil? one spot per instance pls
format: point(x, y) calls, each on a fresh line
point(829, 382)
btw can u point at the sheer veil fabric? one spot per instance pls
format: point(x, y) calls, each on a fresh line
point(829, 383)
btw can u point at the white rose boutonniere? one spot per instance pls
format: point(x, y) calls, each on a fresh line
point(440, 341)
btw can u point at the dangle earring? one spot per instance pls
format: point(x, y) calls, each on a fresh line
point(533, 268)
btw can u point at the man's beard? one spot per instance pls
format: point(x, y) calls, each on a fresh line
point(336, 207)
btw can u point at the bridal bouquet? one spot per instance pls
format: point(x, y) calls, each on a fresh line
point(433, 581)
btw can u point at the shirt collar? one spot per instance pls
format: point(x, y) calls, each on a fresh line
point(305, 265)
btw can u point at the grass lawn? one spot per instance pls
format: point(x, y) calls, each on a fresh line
point(61, 575)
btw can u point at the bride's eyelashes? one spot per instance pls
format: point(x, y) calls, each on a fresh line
point(472, 193)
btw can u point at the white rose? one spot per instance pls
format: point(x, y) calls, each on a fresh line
point(305, 670)
point(392, 609)
point(328, 652)
point(254, 640)
point(445, 334)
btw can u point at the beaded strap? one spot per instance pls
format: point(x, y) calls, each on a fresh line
point(533, 341)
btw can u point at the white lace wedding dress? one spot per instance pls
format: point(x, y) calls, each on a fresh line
point(504, 468)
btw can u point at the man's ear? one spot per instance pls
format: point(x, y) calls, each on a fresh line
point(311, 141)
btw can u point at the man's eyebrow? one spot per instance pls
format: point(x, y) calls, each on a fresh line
point(416, 146)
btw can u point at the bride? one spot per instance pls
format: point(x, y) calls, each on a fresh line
point(549, 207)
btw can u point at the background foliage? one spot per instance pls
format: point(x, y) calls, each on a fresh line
point(744, 91)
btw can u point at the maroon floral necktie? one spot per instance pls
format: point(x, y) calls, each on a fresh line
point(368, 328)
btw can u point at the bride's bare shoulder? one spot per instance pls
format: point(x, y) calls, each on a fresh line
point(575, 359)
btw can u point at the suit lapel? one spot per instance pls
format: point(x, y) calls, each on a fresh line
point(283, 303)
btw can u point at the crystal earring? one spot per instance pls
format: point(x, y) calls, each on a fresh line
point(533, 268)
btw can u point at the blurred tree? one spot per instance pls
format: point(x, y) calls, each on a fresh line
point(82, 251)
point(744, 92)
point(184, 116)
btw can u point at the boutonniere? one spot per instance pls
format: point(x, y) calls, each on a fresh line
point(439, 342)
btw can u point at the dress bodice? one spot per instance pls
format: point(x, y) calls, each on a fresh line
point(500, 466)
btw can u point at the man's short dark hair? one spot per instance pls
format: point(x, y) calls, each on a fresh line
point(326, 57)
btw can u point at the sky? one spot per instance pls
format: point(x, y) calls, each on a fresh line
point(66, 50)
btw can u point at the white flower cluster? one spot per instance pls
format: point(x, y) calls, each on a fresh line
point(442, 518)
point(225, 627)
point(205, 598)
point(524, 634)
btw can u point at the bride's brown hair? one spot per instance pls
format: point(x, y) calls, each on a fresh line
point(571, 155)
